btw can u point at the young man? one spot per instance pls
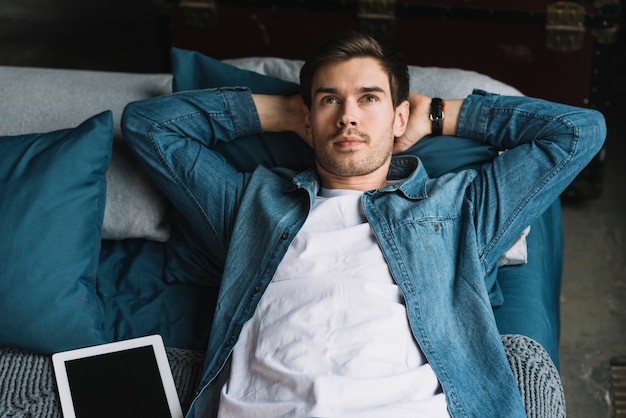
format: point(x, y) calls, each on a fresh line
point(356, 288)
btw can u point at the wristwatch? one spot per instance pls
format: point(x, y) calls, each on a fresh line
point(436, 115)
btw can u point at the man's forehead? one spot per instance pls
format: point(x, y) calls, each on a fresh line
point(357, 75)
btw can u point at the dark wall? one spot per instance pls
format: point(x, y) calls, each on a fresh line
point(59, 10)
point(116, 35)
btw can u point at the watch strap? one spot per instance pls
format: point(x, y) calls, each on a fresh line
point(437, 115)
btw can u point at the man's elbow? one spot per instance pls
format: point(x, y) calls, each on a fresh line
point(133, 122)
point(593, 132)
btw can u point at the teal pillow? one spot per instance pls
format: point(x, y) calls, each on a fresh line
point(193, 70)
point(52, 197)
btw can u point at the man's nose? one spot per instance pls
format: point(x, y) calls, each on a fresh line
point(348, 116)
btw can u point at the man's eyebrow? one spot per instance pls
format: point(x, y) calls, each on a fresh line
point(373, 89)
point(332, 90)
point(325, 90)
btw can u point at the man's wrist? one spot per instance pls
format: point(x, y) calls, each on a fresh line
point(451, 109)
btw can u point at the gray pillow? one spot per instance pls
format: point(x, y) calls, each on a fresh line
point(135, 208)
point(449, 83)
point(43, 99)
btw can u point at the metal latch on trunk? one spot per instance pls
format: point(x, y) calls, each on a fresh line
point(377, 17)
point(565, 27)
point(605, 24)
point(199, 14)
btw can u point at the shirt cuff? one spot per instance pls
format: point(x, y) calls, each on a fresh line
point(242, 111)
point(475, 114)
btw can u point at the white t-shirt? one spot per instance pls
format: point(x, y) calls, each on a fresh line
point(330, 336)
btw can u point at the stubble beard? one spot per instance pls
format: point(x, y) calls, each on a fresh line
point(350, 167)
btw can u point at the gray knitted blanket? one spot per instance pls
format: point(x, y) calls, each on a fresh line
point(28, 389)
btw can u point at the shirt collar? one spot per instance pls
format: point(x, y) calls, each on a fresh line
point(405, 171)
point(411, 169)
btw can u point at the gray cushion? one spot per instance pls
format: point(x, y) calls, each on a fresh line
point(537, 377)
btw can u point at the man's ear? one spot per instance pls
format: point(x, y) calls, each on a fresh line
point(307, 127)
point(401, 120)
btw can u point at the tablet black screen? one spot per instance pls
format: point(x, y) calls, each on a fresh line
point(120, 384)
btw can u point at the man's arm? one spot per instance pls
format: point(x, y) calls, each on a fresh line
point(547, 145)
point(172, 137)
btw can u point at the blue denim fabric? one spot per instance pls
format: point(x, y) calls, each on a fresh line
point(440, 236)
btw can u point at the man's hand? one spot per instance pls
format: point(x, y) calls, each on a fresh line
point(419, 124)
point(282, 114)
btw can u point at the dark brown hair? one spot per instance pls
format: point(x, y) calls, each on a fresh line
point(348, 45)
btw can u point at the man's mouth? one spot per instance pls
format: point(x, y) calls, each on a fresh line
point(348, 138)
point(349, 143)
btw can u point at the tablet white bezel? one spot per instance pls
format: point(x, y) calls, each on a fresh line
point(155, 341)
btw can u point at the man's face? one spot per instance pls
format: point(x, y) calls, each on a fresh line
point(352, 119)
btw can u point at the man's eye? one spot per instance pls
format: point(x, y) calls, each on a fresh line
point(329, 100)
point(370, 99)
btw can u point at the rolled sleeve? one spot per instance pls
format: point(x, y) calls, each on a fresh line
point(474, 117)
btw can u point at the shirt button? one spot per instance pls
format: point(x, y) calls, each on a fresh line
point(284, 236)
point(258, 288)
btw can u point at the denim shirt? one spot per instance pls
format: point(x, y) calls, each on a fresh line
point(440, 236)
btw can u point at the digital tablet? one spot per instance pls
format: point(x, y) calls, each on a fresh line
point(130, 378)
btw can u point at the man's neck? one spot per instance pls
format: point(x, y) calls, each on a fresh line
point(363, 183)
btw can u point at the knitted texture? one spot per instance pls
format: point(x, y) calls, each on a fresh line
point(537, 377)
point(27, 386)
point(28, 389)
point(186, 368)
